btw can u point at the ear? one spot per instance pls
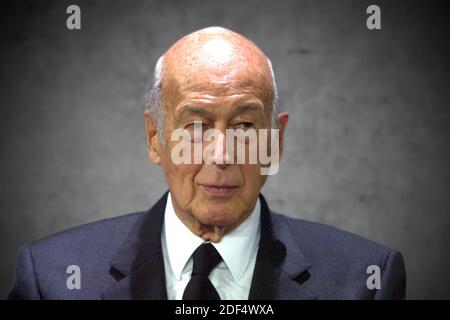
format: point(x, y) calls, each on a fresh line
point(153, 146)
point(283, 119)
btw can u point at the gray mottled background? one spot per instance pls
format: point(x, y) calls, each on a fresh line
point(367, 142)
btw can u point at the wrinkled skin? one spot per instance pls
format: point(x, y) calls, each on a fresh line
point(218, 77)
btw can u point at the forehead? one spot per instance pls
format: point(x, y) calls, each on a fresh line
point(233, 82)
point(215, 65)
point(223, 81)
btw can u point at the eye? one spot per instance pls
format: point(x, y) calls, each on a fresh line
point(244, 125)
point(193, 125)
point(196, 136)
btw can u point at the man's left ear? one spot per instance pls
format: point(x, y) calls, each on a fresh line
point(283, 119)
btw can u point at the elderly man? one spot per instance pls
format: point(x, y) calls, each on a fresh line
point(212, 235)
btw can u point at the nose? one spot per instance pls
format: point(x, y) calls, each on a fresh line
point(220, 155)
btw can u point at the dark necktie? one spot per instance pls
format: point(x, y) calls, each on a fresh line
point(200, 287)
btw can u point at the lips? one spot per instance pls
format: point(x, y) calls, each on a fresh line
point(219, 190)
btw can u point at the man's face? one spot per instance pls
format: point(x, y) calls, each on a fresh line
point(212, 199)
point(216, 195)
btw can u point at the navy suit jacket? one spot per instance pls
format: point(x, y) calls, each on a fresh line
point(121, 258)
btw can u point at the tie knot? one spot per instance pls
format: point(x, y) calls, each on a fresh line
point(205, 257)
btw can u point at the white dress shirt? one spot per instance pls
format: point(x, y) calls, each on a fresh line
point(232, 276)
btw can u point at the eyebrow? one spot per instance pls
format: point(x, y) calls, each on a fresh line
point(250, 107)
point(191, 110)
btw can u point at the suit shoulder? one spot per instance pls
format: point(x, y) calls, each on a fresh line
point(343, 260)
point(109, 231)
point(89, 247)
point(311, 235)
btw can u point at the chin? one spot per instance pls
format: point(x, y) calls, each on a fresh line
point(216, 218)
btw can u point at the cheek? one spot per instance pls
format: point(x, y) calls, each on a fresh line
point(253, 170)
point(180, 179)
point(253, 180)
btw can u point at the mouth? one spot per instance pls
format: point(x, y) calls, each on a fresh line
point(219, 190)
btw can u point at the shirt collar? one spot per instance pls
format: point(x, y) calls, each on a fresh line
point(236, 248)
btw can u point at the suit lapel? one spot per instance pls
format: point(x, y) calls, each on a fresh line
point(281, 270)
point(138, 266)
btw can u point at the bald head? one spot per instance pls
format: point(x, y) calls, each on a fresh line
point(219, 80)
point(216, 56)
point(215, 61)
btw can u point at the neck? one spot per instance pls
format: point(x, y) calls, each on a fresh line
point(207, 232)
